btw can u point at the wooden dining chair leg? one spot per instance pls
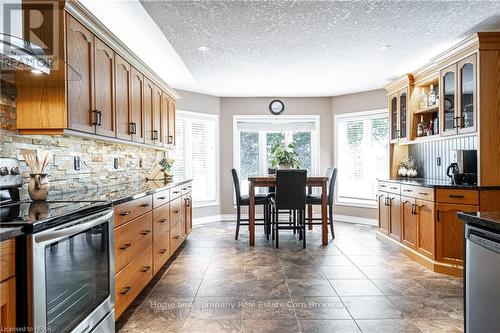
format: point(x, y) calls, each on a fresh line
point(330, 217)
point(238, 218)
point(310, 216)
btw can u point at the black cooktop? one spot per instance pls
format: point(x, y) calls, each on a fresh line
point(38, 216)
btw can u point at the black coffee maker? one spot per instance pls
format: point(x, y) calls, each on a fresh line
point(463, 169)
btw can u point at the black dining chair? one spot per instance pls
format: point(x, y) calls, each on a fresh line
point(244, 200)
point(290, 196)
point(315, 199)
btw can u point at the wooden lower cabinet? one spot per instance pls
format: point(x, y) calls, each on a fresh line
point(148, 231)
point(383, 213)
point(130, 281)
point(395, 212)
point(450, 232)
point(7, 285)
point(425, 226)
point(409, 222)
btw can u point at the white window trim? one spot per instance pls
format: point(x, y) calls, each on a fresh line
point(315, 139)
point(336, 119)
point(197, 115)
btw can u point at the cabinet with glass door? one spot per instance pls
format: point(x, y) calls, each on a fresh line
point(458, 105)
point(398, 114)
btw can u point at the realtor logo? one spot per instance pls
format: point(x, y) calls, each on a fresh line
point(30, 35)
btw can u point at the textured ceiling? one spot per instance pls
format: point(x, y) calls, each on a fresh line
point(312, 48)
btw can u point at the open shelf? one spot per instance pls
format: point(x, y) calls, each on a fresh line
point(429, 109)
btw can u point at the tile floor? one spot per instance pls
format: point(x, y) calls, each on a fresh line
point(356, 284)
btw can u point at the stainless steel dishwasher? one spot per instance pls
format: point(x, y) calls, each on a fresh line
point(482, 276)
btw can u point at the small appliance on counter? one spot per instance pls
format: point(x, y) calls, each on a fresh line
point(463, 169)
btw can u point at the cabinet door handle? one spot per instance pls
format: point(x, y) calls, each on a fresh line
point(155, 135)
point(125, 291)
point(407, 190)
point(162, 251)
point(161, 198)
point(177, 211)
point(145, 269)
point(145, 205)
point(457, 196)
point(177, 237)
point(162, 220)
point(394, 188)
point(125, 246)
point(133, 128)
point(175, 192)
point(170, 139)
point(145, 232)
point(422, 193)
point(95, 122)
point(125, 213)
point(99, 118)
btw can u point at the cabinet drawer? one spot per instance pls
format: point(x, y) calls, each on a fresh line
point(132, 279)
point(7, 259)
point(175, 192)
point(131, 239)
point(130, 210)
point(186, 188)
point(161, 220)
point(457, 196)
point(161, 198)
point(177, 234)
point(424, 193)
point(175, 212)
point(389, 187)
point(161, 252)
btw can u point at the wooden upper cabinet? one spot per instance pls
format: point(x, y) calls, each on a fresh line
point(104, 66)
point(137, 105)
point(403, 112)
point(156, 117)
point(80, 57)
point(467, 95)
point(171, 122)
point(148, 111)
point(122, 98)
point(164, 118)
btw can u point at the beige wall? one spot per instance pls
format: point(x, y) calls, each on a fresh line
point(364, 101)
point(231, 106)
point(194, 102)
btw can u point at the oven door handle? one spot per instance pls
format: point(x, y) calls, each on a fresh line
point(74, 229)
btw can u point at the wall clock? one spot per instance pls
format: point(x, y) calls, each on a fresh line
point(276, 107)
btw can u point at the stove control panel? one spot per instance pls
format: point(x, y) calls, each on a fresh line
point(10, 173)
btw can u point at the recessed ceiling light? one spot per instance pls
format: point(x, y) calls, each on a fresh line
point(385, 47)
point(36, 71)
point(203, 49)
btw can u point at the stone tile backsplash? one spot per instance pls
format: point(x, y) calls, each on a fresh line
point(96, 157)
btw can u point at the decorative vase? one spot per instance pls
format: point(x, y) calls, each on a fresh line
point(402, 172)
point(38, 187)
point(412, 173)
point(284, 167)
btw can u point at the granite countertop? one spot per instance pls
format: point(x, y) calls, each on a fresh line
point(7, 233)
point(436, 183)
point(76, 202)
point(486, 220)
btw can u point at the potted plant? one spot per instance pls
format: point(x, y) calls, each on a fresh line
point(407, 168)
point(285, 157)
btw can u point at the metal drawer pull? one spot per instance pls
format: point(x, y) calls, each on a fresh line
point(162, 220)
point(145, 205)
point(458, 196)
point(145, 232)
point(126, 290)
point(175, 192)
point(125, 246)
point(125, 213)
point(394, 188)
point(145, 269)
point(161, 198)
point(177, 211)
point(177, 237)
point(162, 251)
point(184, 188)
point(407, 190)
point(405, 202)
point(422, 193)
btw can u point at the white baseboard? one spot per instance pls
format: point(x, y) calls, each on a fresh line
point(232, 217)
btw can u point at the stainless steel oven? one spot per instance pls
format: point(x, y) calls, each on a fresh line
point(71, 283)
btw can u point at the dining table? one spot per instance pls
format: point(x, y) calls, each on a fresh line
point(270, 181)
